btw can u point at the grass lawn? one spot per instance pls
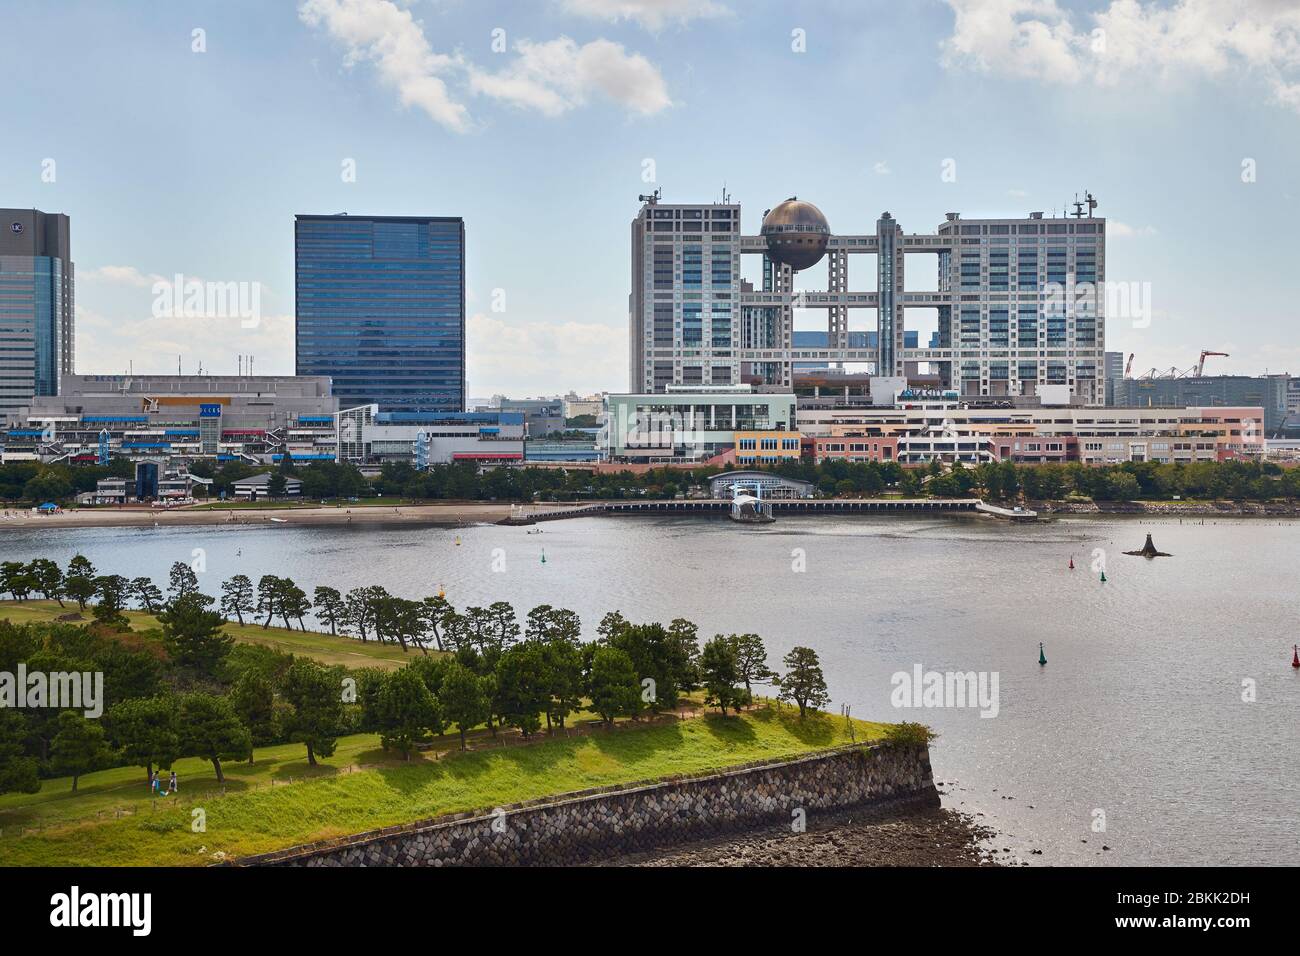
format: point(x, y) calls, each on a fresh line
point(361, 788)
point(326, 648)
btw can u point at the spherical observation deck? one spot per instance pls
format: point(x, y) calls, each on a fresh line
point(797, 233)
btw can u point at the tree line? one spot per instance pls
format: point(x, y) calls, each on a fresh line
point(191, 690)
point(1235, 479)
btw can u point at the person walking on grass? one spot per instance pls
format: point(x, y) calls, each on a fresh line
point(171, 786)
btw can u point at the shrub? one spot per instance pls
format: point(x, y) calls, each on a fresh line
point(910, 734)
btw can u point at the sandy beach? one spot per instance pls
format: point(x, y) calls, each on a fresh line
point(448, 513)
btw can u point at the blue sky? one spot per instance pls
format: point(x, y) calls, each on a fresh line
point(175, 161)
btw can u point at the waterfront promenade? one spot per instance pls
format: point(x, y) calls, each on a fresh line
point(530, 514)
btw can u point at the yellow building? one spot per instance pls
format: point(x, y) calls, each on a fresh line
point(766, 447)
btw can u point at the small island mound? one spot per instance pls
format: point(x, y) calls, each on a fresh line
point(1149, 550)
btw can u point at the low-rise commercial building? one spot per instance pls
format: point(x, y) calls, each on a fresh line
point(761, 484)
point(95, 418)
point(693, 424)
point(543, 450)
point(592, 406)
point(1269, 392)
point(152, 482)
point(367, 436)
point(258, 487)
point(542, 416)
point(767, 447)
point(921, 432)
point(877, 448)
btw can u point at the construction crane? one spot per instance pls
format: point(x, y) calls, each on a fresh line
point(1200, 366)
point(1128, 368)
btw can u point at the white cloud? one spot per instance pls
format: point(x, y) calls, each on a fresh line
point(550, 77)
point(881, 168)
point(558, 75)
point(1129, 40)
point(109, 344)
point(517, 358)
point(1122, 230)
point(651, 14)
point(121, 275)
point(1017, 193)
point(381, 33)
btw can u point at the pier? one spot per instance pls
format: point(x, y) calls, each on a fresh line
point(531, 514)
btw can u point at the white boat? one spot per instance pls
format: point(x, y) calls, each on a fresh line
point(749, 509)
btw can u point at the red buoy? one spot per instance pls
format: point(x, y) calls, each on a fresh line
point(1295, 655)
point(1071, 562)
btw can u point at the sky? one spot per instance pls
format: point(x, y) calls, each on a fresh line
point(182, 138)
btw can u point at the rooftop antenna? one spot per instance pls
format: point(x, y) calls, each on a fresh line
point(1091, 201)
point(726, 197)
point(1078, 207)
point(652, 198)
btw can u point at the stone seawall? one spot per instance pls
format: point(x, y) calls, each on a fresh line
point(1171, 509)
point(580, 827)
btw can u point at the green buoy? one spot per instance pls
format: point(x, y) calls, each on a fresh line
point(1103, 577)
point(1042, 658)
point(543, 557)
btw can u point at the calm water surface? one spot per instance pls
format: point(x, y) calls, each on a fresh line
point(1138, 714)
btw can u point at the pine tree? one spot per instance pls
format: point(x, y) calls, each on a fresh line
point(803, 682)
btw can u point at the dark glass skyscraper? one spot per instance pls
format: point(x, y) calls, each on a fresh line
point(36, 311)
point(380, 308)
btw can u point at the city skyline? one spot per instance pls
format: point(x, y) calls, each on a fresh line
point(229, 141)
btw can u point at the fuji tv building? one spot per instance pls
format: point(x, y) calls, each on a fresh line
point(1004, 328)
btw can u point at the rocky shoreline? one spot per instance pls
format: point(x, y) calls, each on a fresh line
point(854, 837)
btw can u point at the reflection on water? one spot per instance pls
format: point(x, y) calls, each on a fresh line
point(1139, 713)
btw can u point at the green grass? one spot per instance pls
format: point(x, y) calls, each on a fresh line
point(362, 788)
point(326, 648)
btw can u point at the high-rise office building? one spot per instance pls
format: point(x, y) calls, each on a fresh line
point(1019, 302)
point(1114, 373)
point(380, 308)
point(36, 306)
